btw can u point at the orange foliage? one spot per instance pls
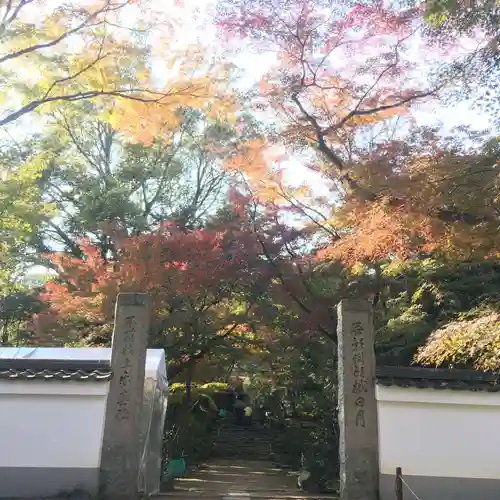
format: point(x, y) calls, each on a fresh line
point(255, 159)
point(472, 342)
point(428, 196)
point(377, 230)
point(193, 81)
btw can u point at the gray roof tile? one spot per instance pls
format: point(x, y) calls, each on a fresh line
point(49, 369)
point(438, 378)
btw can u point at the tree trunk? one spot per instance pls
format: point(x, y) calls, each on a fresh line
point(5, 332)
point(188, 384)
point(189, 372)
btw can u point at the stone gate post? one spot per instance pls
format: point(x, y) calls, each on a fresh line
point(120, 453)
point(358, 445)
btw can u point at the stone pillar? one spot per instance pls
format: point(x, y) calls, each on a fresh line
point(120, 455)
point(358, 445)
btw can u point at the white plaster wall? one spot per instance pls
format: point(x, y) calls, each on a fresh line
point(51, 424)
point(55, 423)
point(443, 433)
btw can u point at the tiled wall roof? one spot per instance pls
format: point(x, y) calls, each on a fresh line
point(49, 369)
point(438, 378)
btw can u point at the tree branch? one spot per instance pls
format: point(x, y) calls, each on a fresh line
point(345, 178)
point(282, 280)
point(135, 94)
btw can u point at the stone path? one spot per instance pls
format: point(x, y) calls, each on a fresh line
point(225, 479)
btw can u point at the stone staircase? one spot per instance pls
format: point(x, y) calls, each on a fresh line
point(242, 467)
point(243, 442)
point(238, 479)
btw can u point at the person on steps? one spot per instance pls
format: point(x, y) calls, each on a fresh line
point(248, 415)
point(239, 409)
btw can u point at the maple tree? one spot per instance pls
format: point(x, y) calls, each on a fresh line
point(397, 193)
point(208, 285)
point(436, 256)
point(470, 342)
point(326, 90)
point(40, 38)
point(202, 81)
point(87, 50)
point(439, 312)
point(338, 95)
point(445, 196)
point(324, 85)
point(344, 107)
point(139, 176)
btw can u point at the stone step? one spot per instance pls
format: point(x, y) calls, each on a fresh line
point(243, 451)
point(187, 495)
point(243, 448)
point(237, 429)
point(242, 495)
point(242, 454)
point(243, 444)
point(230, 436)
point(242, 439)
point(235, 456)
point(245, 430)
point(235, 442)
point(238, 439)
point(246, 442)
point(255, 435)
point(238, 479)
point(231, 446)
point(243, 435)
point(246, 448)
point(246, 445)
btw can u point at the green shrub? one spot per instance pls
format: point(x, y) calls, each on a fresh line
point(177, 387)
point(215, 386)
point(189, 426)
point(471, 341)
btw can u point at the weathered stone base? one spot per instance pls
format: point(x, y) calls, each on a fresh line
point(43, 482)
point(442, 488)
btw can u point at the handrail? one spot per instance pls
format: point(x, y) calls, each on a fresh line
point(163, 383)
